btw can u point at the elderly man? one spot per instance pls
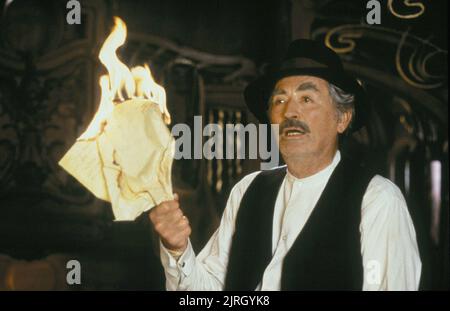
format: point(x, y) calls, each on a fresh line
point(322, 222)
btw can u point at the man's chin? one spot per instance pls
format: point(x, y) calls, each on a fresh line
point(294, 149)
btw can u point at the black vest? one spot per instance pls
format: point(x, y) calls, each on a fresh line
point(326, 254)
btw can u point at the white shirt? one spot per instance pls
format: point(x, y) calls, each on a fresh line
point(388, 241)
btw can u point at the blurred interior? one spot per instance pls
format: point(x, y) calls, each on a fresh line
point(203, 53)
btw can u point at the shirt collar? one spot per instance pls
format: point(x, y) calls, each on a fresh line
point(320, 175)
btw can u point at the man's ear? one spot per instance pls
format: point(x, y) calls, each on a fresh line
point(344, 120)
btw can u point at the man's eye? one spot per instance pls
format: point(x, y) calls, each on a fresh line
point(307, 99)
point(279, 101)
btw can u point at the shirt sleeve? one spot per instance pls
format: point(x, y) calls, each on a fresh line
point(388, 240)
point(207, 271)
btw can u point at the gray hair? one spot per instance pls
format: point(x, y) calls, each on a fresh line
point(344, 102)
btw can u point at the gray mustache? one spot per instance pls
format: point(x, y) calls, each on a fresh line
point(294, 123)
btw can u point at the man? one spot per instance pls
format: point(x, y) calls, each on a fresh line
point(321, 222)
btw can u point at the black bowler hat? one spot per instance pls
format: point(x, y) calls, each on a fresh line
point(305, 58)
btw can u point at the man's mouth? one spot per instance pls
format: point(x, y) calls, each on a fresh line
point(294, 132)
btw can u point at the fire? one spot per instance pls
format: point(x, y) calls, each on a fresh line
point(136, 83)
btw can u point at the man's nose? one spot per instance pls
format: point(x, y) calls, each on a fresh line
point(291, 110)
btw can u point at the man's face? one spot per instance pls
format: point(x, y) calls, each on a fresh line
point(307, 116)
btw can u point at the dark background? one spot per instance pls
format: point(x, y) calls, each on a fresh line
point(204, 53)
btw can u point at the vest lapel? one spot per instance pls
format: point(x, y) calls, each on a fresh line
point(251, 249)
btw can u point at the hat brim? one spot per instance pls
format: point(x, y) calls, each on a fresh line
point(257, 93)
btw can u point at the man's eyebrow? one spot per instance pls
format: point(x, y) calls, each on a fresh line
point(307, 86)
point(278, 92)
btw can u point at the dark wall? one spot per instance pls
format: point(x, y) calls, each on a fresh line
point(255, 29)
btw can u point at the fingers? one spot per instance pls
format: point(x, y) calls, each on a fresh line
point(167, 209)
point(171, 224)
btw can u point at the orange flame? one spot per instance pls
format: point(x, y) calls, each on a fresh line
point(137, 82)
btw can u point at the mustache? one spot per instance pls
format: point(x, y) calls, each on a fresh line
point(294, 123)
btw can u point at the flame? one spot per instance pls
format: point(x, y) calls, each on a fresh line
point(146, 87)
point(137, 82)
point(104, 110)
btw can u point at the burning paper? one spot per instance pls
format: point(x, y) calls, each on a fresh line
point(125, 155)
